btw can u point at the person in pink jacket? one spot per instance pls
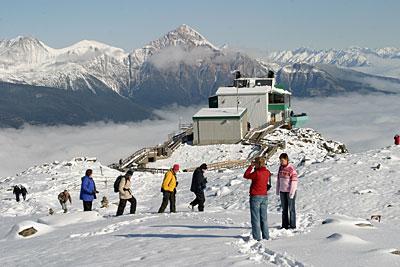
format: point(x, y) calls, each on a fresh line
point(286, 187)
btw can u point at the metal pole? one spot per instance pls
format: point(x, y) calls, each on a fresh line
point(237, 96)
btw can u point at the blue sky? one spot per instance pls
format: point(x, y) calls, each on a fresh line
point(262, 24)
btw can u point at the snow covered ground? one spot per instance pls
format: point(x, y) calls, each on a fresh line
point(337, 195)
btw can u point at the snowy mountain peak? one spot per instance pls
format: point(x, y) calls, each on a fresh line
point(23, 43)
point(89, 46)
point(22, 51)
point(184, 36)
point(92, 45)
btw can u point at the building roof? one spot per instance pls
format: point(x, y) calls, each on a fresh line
point(219, 113)
point(258, 90)
point(280, 91)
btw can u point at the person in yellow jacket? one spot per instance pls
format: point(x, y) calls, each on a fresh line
point(168, 189)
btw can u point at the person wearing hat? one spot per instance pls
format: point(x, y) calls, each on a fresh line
point(168, 188)
point(125, 194)
point(88, 190)
point(198, 186)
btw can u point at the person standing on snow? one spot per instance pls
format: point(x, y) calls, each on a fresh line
point(125, 194)
point(168, 188)
point(397, 139)
point(198, 186)
point(17, 192)
point(286, 188)
point(88, 190)
point(63, 197)
point(24, 192)
point(258, 198)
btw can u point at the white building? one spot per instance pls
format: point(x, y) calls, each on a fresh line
point(219, 126)
point(254, 94)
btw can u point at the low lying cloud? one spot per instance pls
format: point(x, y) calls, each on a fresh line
point(383, 85)
point(172, 56)
point(108, 142)
point(362, 122)
point(250, 52)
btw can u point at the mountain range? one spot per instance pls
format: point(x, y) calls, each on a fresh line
point(180, 67)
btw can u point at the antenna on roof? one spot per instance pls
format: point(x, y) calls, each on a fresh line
point(271, 74)
point(238, 75)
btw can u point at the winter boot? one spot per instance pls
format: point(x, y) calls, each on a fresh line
point(191, 207)
point(65, 210)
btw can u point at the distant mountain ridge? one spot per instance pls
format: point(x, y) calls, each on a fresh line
point(180, 67)
point(36, 105)
point(93, 66)
point(351, 57)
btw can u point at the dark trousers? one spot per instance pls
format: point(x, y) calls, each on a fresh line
point(288, 210)
point(168, 196)
point(17, 197)
point(24, 196)
point(122, 204)
point(199, 200)
point(87, 205)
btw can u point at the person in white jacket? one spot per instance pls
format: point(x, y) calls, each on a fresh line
point(125, 194)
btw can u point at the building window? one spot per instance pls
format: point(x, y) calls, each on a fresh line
point(264, 82)
point(276, 99)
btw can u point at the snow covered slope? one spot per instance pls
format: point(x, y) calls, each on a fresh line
point(351, 57)
point(337, 195)
point(84, 65)
point(183, 66)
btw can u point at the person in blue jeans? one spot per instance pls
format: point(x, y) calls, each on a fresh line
point(258, 198)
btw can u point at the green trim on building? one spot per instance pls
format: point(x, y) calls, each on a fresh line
point(280, 87)
point(297, 122)
point(213, 101)
point(281, 107)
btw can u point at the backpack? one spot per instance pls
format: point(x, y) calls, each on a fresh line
point(117, 182)
point(269, 185)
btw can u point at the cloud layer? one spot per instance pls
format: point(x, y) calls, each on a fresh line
point(362, 122)
point(33, 145)
point(172, 56)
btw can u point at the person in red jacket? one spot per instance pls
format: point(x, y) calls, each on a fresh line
point(258, 198)
point(397, 139)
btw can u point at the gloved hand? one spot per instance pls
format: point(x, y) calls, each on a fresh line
point(177, 183)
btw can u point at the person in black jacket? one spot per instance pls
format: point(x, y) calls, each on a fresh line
point(24, 192)
point(198, 186)
point(17, 192)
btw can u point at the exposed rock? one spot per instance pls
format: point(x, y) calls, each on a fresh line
point(28, 232)
point(364, 225)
